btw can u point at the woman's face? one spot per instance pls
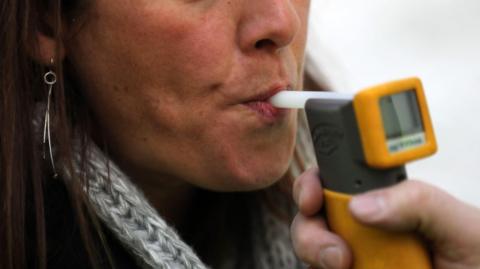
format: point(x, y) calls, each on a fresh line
point(178, 87)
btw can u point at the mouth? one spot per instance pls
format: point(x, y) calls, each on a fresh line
point(259, 104)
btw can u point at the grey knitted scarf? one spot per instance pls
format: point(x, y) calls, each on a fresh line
point(127, 213)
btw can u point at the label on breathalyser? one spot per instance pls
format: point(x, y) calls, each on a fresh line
point(404, 143)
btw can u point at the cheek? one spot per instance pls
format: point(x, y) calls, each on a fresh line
point(183, 52)
point(165, 61)
point(156, 46)
point(159, 59)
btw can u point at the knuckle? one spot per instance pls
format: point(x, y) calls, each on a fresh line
point(419, 193)
point(294, 227)
point(300, 237)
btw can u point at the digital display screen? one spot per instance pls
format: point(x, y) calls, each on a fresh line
point(402, 121)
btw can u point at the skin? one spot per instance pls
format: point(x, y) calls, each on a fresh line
point(167, 82)
point(449, 226)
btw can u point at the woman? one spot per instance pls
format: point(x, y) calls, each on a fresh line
point(159, 149)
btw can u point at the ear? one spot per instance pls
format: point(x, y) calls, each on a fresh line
point(47, 49)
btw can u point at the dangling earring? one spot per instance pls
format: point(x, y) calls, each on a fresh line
point(50, 79)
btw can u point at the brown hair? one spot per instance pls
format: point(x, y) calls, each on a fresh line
point(23, 172)
point(22, 168)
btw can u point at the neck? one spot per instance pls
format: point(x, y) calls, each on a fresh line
point(171, 198)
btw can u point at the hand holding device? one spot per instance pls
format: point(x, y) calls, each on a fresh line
point(361, 144)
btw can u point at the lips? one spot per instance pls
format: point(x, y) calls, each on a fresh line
point(263, 108)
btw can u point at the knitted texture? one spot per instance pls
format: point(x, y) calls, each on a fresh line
point(141, 230)
point(124, 210)
point(272, 245)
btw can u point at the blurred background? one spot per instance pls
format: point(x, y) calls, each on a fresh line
point(354, 44)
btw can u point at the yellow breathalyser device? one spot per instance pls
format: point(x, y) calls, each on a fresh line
point(362, 143)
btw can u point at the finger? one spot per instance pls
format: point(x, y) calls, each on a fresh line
point(412, 205)
point(307, 192)
point(317, 246)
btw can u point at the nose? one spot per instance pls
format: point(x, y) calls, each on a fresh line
point(268, 25)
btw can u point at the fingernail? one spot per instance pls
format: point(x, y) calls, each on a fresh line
point(367, 206)
point(331, 257)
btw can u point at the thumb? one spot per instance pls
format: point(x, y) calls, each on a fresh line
point(448, 224)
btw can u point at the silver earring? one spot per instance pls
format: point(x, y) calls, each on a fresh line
point(50, 79)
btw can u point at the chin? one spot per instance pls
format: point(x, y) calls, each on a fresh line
point(252, 178)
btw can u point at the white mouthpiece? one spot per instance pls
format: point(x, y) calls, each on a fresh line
point(297, 99)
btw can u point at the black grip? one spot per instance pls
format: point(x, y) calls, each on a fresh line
point(339, 152)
